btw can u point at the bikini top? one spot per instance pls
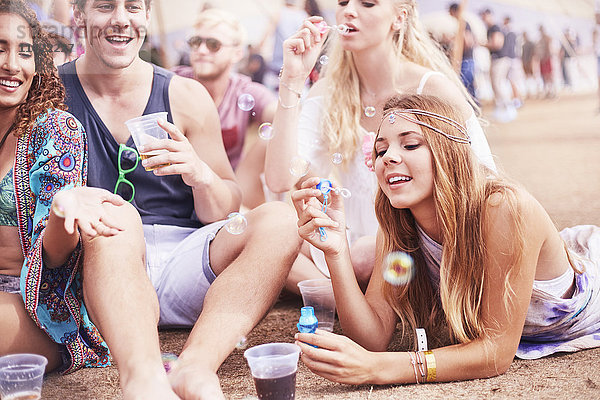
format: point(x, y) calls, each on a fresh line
point(8, 204)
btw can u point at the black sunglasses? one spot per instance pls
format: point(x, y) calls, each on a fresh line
point(212, 44)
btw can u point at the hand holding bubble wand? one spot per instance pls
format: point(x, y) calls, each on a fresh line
point(320, 210)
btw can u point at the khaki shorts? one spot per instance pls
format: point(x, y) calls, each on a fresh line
point(178, 265)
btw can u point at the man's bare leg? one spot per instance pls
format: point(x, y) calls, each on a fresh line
point(123, 305)
point(251, 270)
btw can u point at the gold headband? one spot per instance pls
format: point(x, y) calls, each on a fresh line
point(391, 116)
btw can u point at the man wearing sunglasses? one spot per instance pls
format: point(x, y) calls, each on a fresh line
point(220, 283)
point(216, 46)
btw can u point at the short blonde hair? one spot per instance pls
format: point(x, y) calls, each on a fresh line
point(215, 17)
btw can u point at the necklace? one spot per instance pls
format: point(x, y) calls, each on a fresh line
point(10, 128)
point(369, 110)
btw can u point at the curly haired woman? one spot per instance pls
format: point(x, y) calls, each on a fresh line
point(54, 300)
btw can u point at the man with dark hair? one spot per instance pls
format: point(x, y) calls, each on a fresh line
point(220, 281)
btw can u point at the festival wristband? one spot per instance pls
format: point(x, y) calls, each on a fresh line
point(431, 366)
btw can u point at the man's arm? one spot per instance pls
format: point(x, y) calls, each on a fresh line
point(216, 192)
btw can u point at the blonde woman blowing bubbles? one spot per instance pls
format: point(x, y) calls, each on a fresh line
point(384, 52)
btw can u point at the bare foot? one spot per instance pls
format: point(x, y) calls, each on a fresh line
point(192, 382)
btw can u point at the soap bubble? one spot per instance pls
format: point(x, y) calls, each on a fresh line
point(342, 28)
point(168, 360)
point(370, 111)
point(246, 102)
point(337, 158)
point(236, 223)
point(398, 268)
point(299, 167)
point(345, 193)
point(242, 343)
point(265, 131)
point(324, 59)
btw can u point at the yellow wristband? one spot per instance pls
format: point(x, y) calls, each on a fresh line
point(431, 367)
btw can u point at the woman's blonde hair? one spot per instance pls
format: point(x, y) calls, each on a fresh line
point(343, 110)
point(462, 188)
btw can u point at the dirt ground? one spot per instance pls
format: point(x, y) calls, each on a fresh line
point(553, 149)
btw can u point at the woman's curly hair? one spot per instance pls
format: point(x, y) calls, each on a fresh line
point(46, 91)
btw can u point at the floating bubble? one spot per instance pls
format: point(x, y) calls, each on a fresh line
point(398, 268)
point(299, 167)
point(236, 223)
point(370, 111)
point(324, 59)
point(242, 343)
point(337, 158)
point(345, 193)
point(253, 114)
point(265, 131)
point(168, 360)
point(246, 102)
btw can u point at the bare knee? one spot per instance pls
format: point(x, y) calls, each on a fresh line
point(123, 247)
point(276, 222)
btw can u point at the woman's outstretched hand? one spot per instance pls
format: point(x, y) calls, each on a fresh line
point(311, 217)
point(83, 208)
point(337, 358)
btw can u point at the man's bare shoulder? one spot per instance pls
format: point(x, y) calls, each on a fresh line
point(182, 90)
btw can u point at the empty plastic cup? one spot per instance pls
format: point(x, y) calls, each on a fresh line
point(21, 376)
point(318, 293)
point(144, 130)
point(273, 367)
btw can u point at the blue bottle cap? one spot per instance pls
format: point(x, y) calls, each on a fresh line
point(324, 186)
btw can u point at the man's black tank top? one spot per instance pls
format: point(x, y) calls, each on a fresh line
point(164, 200)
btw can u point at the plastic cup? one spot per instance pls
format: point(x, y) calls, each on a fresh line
point(21, 376)
point(273, 367)
point(145, 130)
point(318, 293)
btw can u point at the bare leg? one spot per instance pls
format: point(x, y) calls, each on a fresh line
point(21, 335)
point(302, 269)
point(248, 173)
point(123, 305)
point(362, 254)
point(251, 270)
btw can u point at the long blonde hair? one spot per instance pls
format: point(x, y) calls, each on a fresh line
point(462, 188)
point(341, 122)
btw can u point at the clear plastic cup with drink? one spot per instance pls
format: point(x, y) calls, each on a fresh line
point(21, 376)
point(145, 130)
point(318, 294)
point(273, 367)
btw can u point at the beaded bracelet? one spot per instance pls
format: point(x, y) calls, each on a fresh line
point(286, 106)
point(421, 362)
point(414, 364)
point(431, 366)
point(285, 85)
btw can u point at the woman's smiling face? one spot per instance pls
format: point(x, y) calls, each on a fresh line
point(403, 164)
point(17, 61)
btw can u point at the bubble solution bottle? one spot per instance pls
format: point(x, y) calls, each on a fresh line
point(307, 323)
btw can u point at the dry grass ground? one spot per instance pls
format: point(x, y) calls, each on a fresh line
point(553, 149)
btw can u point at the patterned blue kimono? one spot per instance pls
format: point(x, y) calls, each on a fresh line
point(52, 156)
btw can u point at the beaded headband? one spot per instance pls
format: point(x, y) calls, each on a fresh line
point(402, 113)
